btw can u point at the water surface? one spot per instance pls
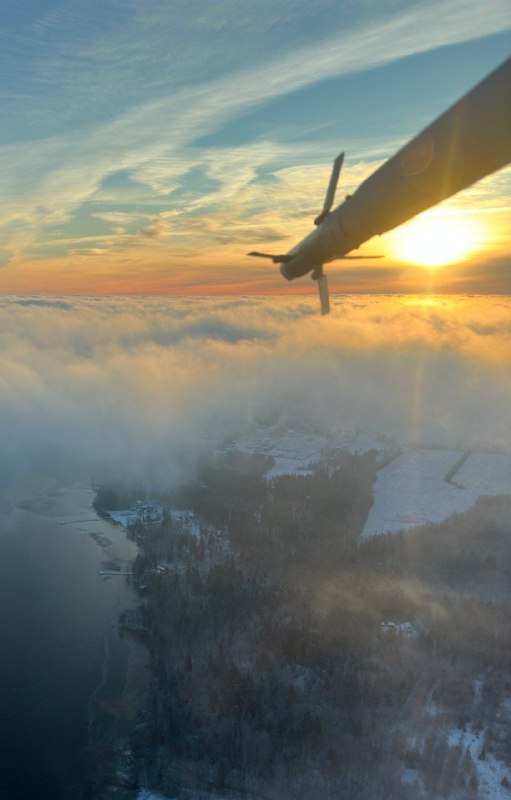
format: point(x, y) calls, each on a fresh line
point(58, 633)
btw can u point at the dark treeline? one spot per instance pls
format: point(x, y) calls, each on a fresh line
point(113, 496)
point(273, 677)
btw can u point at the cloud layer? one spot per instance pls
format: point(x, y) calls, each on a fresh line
point(138, 388)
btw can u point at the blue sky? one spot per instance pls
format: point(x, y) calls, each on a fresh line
point(139, 141)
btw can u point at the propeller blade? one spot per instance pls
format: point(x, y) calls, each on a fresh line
point(283, 259)
point(330, 192)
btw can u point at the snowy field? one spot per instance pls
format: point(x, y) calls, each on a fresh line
point(485, 473)
point(295, 452)
point(490, 771)
point(412, 490)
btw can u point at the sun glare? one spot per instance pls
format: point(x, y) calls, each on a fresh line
point(434, 241)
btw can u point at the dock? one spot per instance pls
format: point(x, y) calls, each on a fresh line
point(110, 572)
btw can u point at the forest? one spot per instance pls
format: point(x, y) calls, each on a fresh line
point(291, 660)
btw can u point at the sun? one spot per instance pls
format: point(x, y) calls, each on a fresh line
point(434, 241)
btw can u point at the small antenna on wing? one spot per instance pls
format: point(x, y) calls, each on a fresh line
point(319, 276)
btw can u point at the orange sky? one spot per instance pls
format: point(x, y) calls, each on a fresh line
point(143, 156)
point(137, 267)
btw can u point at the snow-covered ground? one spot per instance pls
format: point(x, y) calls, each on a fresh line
point(366, 440)
point(186, 519)
point(490, 771)
point(295, 451)
point(412, 489)
point(485, 473)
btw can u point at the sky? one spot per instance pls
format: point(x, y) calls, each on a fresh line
point(146, 147)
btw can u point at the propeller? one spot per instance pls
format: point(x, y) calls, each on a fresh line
point(318, 273)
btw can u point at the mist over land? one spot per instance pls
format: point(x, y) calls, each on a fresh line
point(136, 389)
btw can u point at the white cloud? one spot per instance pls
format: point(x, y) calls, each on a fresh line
point(132, 388)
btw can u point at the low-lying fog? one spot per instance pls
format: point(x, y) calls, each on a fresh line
point(137, 388)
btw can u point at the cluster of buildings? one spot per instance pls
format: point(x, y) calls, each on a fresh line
point(404, 629)
point(144, 512)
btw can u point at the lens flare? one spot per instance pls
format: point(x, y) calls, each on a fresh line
point(434, 241)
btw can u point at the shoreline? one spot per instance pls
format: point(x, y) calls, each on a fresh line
point(112, 720)
point(113, 710)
